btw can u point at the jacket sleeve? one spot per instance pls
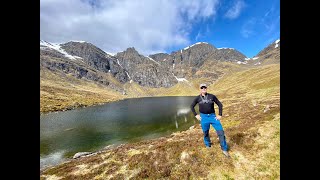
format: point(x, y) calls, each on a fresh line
point(194, 103)
point(216, 100)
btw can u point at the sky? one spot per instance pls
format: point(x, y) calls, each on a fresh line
point(162, 26)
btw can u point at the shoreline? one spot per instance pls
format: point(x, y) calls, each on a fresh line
point(79, 105)
point(66, 160)
point(113, 147)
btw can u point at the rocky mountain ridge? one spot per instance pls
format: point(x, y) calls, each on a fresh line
point(145, 70)
point(268, 55)
point(94, 65)
point(85, 60)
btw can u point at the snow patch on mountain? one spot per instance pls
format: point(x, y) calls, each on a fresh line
point(277, 43)
point(56, 47)
point(194, 45)
point(180, 79)
point(153, 60)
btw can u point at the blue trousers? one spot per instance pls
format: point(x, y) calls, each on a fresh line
point(206, 120)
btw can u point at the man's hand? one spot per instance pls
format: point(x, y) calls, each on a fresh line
point(198, 117)
point(218, 117)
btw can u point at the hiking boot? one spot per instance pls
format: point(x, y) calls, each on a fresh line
point(226, 153)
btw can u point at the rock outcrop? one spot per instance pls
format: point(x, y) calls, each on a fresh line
point(144, 70)
point(82, 60)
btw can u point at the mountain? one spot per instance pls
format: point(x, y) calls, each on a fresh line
point(273, 48)
point(130, 74)
point(186, 62)
point(157, 70)
point(145, 70)
point(160, 57)
point(268, 55)
point(229, 54)
point(82, 60)
point(96, 58)
point(77, 74)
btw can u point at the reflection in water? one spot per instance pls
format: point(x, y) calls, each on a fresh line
point(177, 126)
point(183, 111)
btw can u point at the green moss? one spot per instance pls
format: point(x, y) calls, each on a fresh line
point(227, 177)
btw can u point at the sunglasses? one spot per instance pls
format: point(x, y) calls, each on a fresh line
point(203, 87)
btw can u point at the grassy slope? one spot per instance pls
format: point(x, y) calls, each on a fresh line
point(252, 124)
point(61, 92)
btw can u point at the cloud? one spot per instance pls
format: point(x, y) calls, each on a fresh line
point(198, 9)
point(114, 25)
point(199, 36)
point(202, 33)
point(271, 21)
point(248, 27)
point(267, 25)
point(235, 10)
point(271, 26)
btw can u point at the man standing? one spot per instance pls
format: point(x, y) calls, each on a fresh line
point(207, 116)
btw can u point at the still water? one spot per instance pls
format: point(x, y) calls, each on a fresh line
point(62, 134)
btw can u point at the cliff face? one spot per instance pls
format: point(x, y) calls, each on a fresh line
point(270, 54)
point(96, 58)
point(82, 60)
point(144, 70)
point(186, 62)
point(228, 54)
